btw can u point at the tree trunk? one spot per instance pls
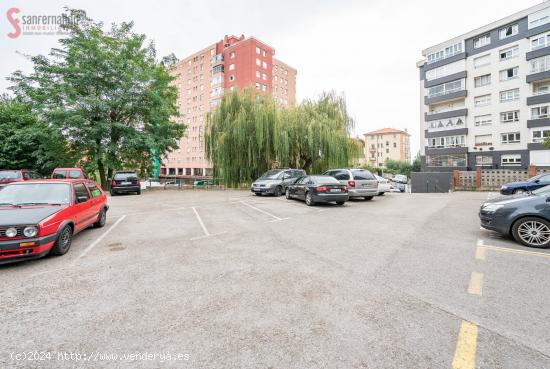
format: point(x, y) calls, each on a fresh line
point(307, 164)
point(102, 177)
point(110, 174)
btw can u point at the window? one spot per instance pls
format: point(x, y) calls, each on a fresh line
point(483, 140)
point(508, 138)
point(264, 76)
point(540, 134)
point(510, 160)
point(264, 65)
point(538, 65)
point(483, 120)
point(231, 66)
point(387, 151)
point(458, 160)
point(445, 70)
point(264, 53)
point(231, 78)
point(258, 74)
point(541, 88)
point(446, 142)
point(539, 112)
point(540, 41)
point(482, 61)
point(508, 31)
point(539, 18)
point(258, 50)
point(258, 86)
point(482, 80)
point(446, 88)
point(258, 62)
point(232, 55)
point(444, 124)
point(482, 41)
point(509, 95)
point(264, 88)
point(484, 160)
point(94, 190)
point(509, 53)
point(509, 73)
point(395, 145)
point(444, 53)
point(483, 100)
point(81, 192)
point(509, 116)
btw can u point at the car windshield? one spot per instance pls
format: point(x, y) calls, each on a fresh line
point(35, 193)
point(362, 174)
point(543, 191)
point(125, 176)
point(271, 174)
point(325, 179)
point(9, 174)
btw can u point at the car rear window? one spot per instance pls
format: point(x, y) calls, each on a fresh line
point(325, 179)
point(74, 174)
point(342, 175)
point(9, 174)
point(124, 176)
point(362, 175)
point(59, 174)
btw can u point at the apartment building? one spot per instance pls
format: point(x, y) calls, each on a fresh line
point(485, 96)
point(201, 80)
point(387, 143)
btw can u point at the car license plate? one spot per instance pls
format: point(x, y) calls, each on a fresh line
point(335, 190)
point(255, 189)
point(126, 183)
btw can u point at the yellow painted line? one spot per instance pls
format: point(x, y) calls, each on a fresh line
point(480, 253)
point(515, 251)
point(476, 283)
point(466, 346)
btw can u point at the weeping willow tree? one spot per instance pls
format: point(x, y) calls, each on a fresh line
point(248, 134)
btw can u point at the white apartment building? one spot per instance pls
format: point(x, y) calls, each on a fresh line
point(485, 96)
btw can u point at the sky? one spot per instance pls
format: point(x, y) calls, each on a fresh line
point(366, 50)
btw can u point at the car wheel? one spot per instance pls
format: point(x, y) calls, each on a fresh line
point(532, 232)
point(368, 198)
point(287, 194)
point(63, 242)
point(340, 203)
point(112, 193)
point(518, 191)
point(309, 199)
point(138, 193)
point(278, 191)
point(102, 218)
point(381, 194)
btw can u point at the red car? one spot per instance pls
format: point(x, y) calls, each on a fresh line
point(69, 173)
point(17, 175)
point(41, 217)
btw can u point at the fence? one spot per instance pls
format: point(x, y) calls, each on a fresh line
point(492, 179)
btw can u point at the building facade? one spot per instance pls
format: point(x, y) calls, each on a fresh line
point(387, 143)
point(485, 96)
point(201, 80)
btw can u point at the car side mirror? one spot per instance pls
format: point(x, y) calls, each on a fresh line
point(537, 181)
point(548, 199)
point(80, 199)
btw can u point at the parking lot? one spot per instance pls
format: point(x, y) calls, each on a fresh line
point(228, 279)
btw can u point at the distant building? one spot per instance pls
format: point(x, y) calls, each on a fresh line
point(203, 77)
point(387, 143)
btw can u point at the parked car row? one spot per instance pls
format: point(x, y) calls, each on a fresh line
point(335, 185)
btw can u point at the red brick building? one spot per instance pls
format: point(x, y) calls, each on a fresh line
point(203, 77)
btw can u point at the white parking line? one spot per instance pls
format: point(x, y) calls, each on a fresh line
point(100, 238)
point(275, 218)
point(204, 229)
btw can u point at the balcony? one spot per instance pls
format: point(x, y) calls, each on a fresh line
point(538, 52)
point(216, 60)
point(429, 116)
point(543, 121)
point(452, 95)
point(445, 79)
point(539, 98)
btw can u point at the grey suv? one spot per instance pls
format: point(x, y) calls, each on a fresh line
point(360, 182)
point(275, 181)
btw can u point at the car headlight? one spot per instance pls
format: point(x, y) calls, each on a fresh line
point(30, 231)
point(503, 187)
point(491, 208)
point(11, 232)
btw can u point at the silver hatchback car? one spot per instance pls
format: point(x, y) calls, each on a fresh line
point(360, 182)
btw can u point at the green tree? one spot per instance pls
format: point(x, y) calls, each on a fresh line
point(398, 167)
point(106, 93)
point(248, 134)
point(28, 142)
point(416, 165)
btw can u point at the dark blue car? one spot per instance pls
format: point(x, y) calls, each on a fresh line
point(525, 216)
point(525, 186)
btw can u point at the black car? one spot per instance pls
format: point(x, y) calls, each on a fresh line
point(317, 188)
point(524, 216)
point(125, 182)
